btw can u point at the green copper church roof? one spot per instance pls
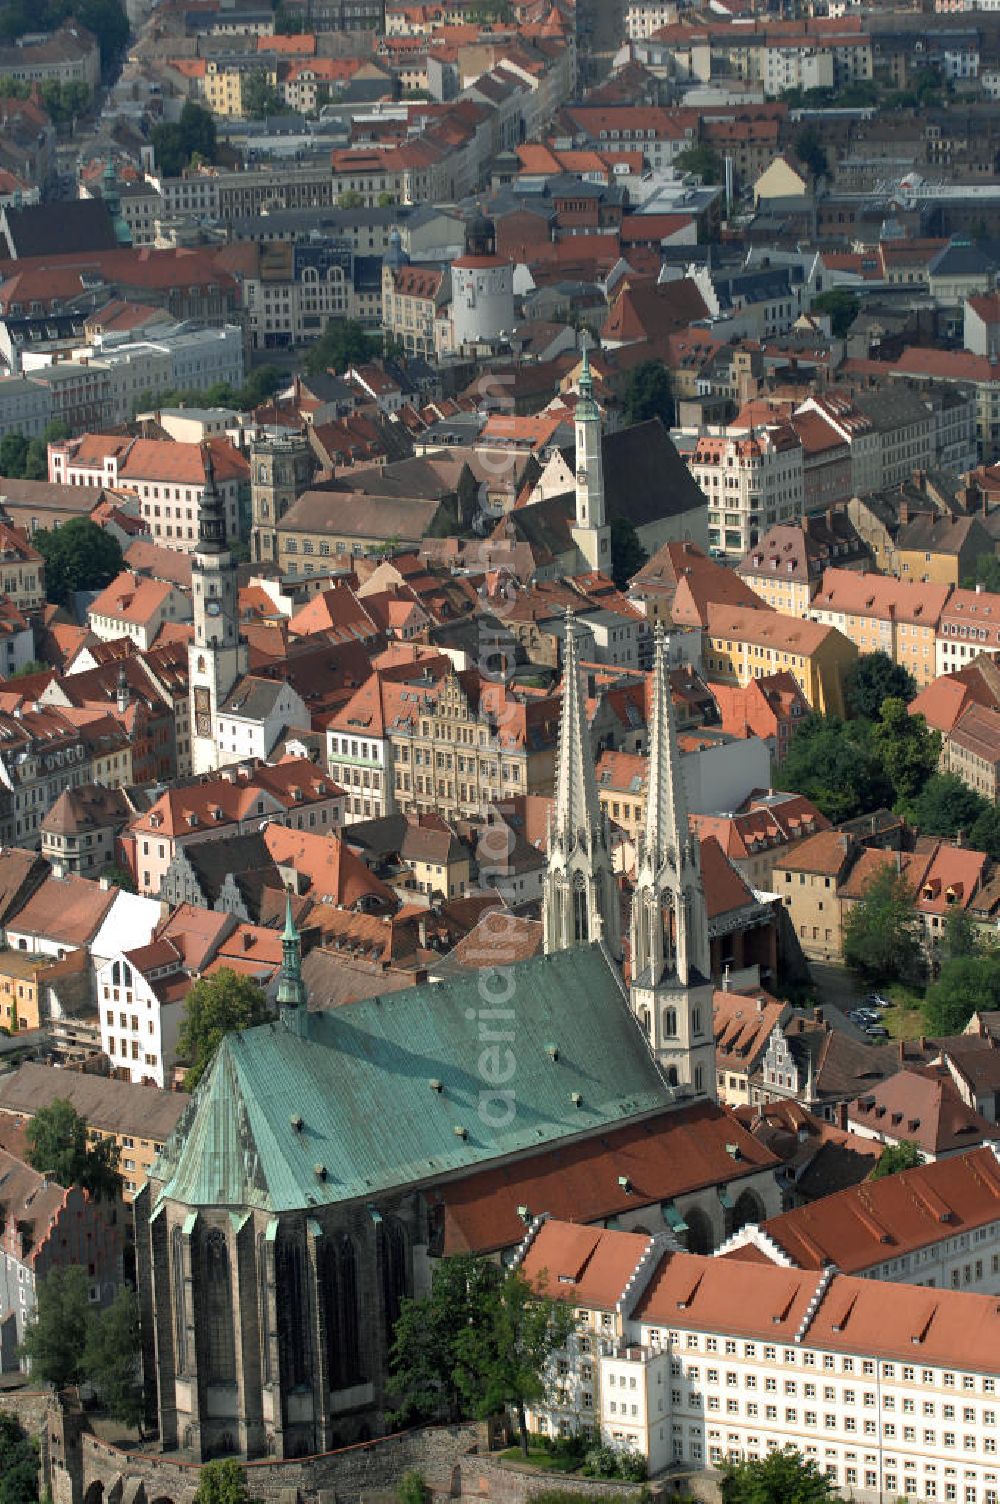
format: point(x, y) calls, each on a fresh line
point(411, 1086)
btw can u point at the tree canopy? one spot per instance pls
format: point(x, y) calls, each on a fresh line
point(18, 1463)
point(648, 394)
point(112, 1359)
point(261, 383)
point(478, 1344)
point(222, 1482)
point(106, 19)
point(966, 985)
point(782, 1477)
point(78, 556)
point(895, 1157)
point(217, 1005)
point(58, 1146)
point(834, 763)
point(627, 553)
point(907, 749)
point(874, 677)
point(430, 1381)
point(882, 930)
point(508, 1348)
point(259, 96)
point(810, 150)
point(56, 1340)
point(344, 342)
point(702, 161)
point(176, 145)
point(28, 459)
point(947, 806)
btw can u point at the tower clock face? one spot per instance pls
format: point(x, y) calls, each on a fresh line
point(213, 608)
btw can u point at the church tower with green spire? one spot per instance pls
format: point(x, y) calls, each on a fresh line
point(293, 1005)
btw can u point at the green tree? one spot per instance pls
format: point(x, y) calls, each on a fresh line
point(167, 140)
point(648, 394)
point(784, 1477)
point(627, 553)
point(222, 1483)
point(113, 1362)
point(429, 1382)
point(987, 572)
point(967, 985)
point(872, 678)
point(946, 806)
point(198, 128)
point(176, 144)
point(344, 342)
point(109, 23)
point(895, 1157)
point(412, 1489)
point(350, 199)
point(810, 150)
point(702, 161)
point(55, 1341)
point(960, 936)
point(36, 460)
point(835, 765)
point(58, 1146)
point(507, 1351)
point(217, 1005)
point(18, 1463)
point(259, 96)
point(843, 308)
point(984, 833)
point(882, 931)
point(908, 751)
point(78, 556)
point(33, 666)
point(13, 454)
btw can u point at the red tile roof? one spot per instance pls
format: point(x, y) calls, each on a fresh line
point(672, 1154)
point(866, 1225)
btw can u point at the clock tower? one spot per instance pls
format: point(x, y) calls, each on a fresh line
point(217, 657)
point(590, 530)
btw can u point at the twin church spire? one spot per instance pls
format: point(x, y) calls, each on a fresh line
point(670, 954)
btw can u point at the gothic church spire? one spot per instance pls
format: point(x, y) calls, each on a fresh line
point(580, 899)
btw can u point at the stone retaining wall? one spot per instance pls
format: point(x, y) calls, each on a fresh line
point(344, 1476)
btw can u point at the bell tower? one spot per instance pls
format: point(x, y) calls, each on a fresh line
point(580, 897)
point(591, 532)
point(671, 959)
point(217, 657)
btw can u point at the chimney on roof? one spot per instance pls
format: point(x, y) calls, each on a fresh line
point(725, 978)
point(818, 1015)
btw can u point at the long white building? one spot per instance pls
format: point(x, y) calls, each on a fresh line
point(890, 1388)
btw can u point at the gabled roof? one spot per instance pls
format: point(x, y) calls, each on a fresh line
point(237, 1146)
point(867, 1225)
point(588, 1266)
point(65, 910)
point(923, 1106)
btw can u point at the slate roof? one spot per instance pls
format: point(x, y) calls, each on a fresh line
point(236, 1145)
point(60, 228)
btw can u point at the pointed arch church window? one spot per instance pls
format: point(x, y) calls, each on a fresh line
point(293, 1312)
point(338, 1272)
point(221, 1337)
point(670, 1023)
point(180, 1301)
point(395, 1282)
